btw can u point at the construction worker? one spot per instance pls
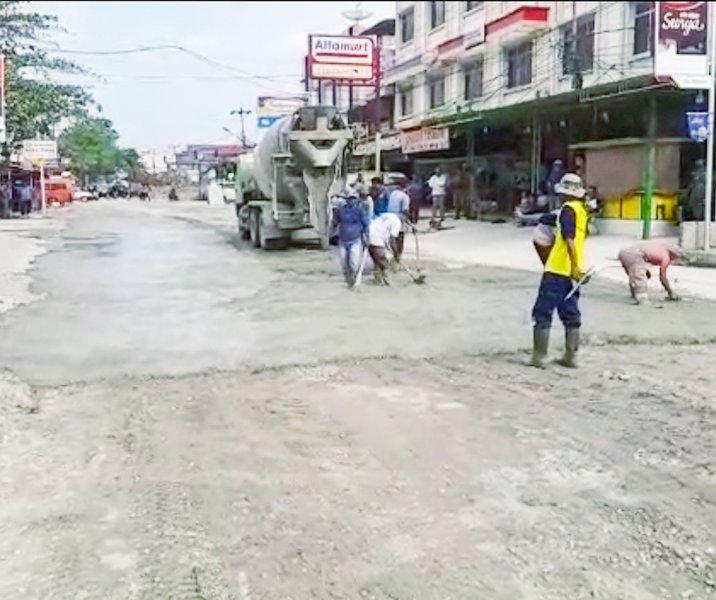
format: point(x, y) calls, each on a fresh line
point(382, 238)
point(636, 261)
point(564, 267)
point(352, 221)
point(399, 204)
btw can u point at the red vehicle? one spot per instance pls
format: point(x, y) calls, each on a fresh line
point(59, 190)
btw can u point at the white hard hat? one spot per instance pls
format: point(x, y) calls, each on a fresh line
point(570, 185)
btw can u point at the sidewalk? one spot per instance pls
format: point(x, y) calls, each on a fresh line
point(508, 246)
point(20, 245)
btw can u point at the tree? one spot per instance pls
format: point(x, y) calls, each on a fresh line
point(91, 147)
point(35, 105)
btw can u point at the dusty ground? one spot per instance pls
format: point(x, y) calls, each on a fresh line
point(182, 417)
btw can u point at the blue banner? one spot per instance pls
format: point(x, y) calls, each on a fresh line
point(698, 125)
point(265, 122)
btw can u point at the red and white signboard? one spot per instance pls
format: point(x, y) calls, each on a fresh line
point(425, 140)
point(681, 43)
point(342, 57)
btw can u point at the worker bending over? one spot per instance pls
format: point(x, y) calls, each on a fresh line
point(382, 238)
point(637, 260)
point(563, 268)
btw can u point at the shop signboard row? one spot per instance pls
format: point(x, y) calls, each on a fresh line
point(427, 139)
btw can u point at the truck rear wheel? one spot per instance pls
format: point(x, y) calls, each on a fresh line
point(255, 228)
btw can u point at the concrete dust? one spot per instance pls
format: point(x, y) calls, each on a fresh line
point(184, 418)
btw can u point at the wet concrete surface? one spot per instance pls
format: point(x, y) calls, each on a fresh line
point(354, 445)
point(134, 292)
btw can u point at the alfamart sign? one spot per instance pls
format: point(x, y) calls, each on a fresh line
point(342, 57)
point(681, 35)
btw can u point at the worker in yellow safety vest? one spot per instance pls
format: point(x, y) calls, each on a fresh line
point(564, 266)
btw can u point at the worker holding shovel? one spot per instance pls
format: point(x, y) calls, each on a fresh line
point(563, 268)
point(353, 225)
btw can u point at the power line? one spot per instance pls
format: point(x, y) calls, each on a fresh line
point(178, 48)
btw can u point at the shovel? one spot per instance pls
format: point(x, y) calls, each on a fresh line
point(359, 277)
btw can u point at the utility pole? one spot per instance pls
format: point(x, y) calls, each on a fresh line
point(710, 126)
point(241, 112)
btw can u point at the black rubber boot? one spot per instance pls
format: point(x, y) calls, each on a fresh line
point(571, 349)
point(540, 346)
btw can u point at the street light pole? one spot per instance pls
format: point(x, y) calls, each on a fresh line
point(241, 112)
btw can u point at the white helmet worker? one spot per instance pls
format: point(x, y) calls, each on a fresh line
point(570, 185)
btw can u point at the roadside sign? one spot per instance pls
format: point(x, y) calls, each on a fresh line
point(342, 57)
point(264, 122)
point(33, 150)
point(698, 125)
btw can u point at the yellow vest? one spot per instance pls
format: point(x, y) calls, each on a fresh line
point(558, 261)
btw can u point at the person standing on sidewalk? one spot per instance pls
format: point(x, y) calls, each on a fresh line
point(565, 266)
point(353, 224)
point(416, 192)
point(461, 191)
point(438, 191)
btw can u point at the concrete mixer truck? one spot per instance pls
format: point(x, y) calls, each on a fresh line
point(286, 183)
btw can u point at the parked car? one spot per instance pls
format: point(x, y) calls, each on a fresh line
point(119, 189)
point(85, 195)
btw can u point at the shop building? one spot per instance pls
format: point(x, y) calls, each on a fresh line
point(514, 86)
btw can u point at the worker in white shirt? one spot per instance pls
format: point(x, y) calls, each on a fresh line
point(399, 205)
point(438, 192)
point(382, 237)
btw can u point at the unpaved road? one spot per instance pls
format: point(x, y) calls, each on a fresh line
point(183, 417)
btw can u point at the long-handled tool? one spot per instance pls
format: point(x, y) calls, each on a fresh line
point(584, 279)
point(419, 279)
point(359, 276)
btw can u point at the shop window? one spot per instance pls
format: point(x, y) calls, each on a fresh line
point(473, 78)
point(436, 91)
point(405, 100)
point(519, 65)
point(584, 58)
point(407, 25)
point(643, 27)
point(470, 5)
point(437, 14)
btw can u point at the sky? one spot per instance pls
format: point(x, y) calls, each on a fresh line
point(166, 98)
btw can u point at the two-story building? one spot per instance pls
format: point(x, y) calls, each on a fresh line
point(512, 86)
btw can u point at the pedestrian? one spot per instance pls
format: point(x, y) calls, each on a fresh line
point(383, 235)
point(461, 192)
point(564, 266)
point(399, 204)
point(416, 193)
point(5, 201)
point(352, 222)
point(25, 200)
point(638, 258)
point(438, 190)
point(379, 195)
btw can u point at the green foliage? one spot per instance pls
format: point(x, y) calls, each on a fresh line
point(91, 147)
point(35, 106)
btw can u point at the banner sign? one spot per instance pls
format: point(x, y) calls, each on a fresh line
point(425, 140)
point(680, 49)
point(387, 143)
point(342, 57)
point(698, 125)
point(34, 150)
point(271, 108)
